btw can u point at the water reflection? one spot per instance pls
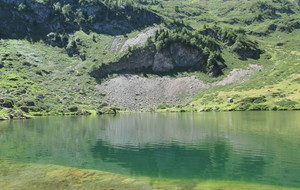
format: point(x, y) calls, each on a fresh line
point(170, 160)
point(248, 146)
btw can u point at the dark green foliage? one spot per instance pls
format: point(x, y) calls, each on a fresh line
point(288, 25)
point(108, 110)
point(297, 80)
point(246, 48)
point(254, 100)
point(198, 40)
point(163, 106)
point(73, 109)
point(29, 102)
point(208, 45)
point(286, 103)
point(257, 107)
point(215, 64)
point(243, 107)
point(57, 39)
point(278, 94)
point(25, 109)
point(262, 10)
point(225, 35)
point(102, 105)
point(6, 102)
point(83, 112)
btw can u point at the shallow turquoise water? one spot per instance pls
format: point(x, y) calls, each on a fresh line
point(260, 147)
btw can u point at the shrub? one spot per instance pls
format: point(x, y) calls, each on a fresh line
point(24, 109)
point(73, 109)
point(7, 103)
point(286, 103)
point(29, 102)
point(246, 49)
point(255, 100)
point(163, 106)
point(243, 107)
point(256, 107)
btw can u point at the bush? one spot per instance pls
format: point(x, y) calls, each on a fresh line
point(24, 109)
point(246, 49)
point(163, 106)
point(73, 109)
point(29, 103)
point(243, 107)
point(108, 110)
point(7, 103)
point(286, 103)
point(255, 100)
point(258, 107)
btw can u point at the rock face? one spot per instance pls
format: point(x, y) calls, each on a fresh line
point(175, 56)
point(162, 62)
point(185, 56)
point(21, 18)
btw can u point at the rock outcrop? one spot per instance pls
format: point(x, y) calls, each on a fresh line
point(176, 56)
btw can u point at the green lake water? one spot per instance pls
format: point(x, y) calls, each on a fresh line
point(256, 147)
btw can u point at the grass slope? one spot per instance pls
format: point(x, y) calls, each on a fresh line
point(39, 79)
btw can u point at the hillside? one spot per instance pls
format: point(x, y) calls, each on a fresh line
point(73, 57)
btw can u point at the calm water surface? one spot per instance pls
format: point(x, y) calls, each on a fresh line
point(260, 147)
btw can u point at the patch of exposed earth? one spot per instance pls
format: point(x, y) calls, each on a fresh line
point(135, 92)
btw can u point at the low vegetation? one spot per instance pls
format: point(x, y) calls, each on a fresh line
point(45, 62)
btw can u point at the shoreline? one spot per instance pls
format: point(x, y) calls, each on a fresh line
point(50, 176)
point(109, 111)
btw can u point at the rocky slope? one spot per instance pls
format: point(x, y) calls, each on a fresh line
point(140, 93)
